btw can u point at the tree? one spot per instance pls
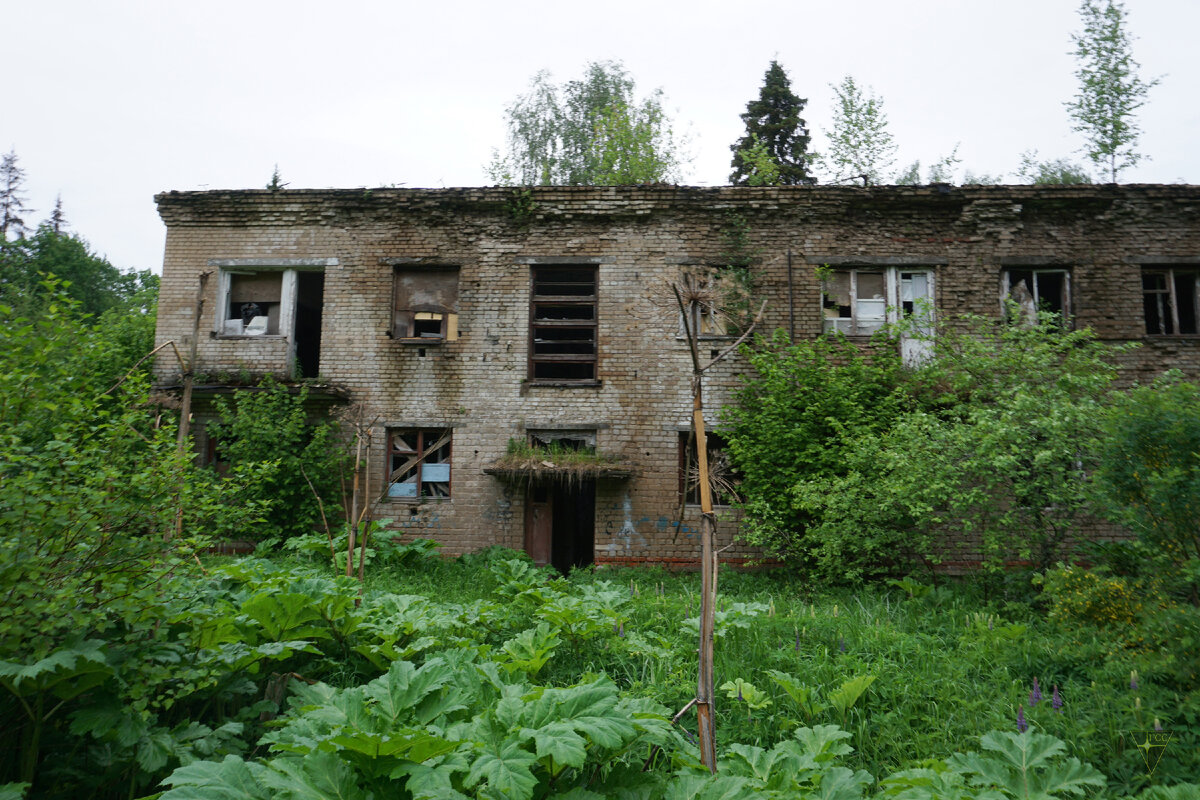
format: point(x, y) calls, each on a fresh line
point(586, 132)
point(773, 128)
point(1110, 90)
point(12, 203)
point(89, 279)
point(57, 220)
point(855, 463)
point(859, 143)
point(1052, 171)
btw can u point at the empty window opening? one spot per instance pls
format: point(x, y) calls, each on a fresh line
point(419, 463)
point(425, 302)
point(562, 324)
point(564, 441)
point(253, 304)
point(1169, 298)
point(1037, 291)
point(723, 479)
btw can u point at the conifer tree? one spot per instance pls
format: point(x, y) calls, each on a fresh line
point(12, 201)
point(773, 123)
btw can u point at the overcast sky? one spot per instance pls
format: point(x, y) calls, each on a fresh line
point(109, 102)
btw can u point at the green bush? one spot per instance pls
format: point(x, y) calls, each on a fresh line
point(285, 461)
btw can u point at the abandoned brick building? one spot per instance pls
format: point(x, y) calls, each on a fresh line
point(463, 319)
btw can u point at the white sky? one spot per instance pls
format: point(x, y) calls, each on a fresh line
point(107, 103)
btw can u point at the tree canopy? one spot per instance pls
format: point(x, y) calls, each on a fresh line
point(860, 144)
point(591, 131)
point(1110, 90)
point(775, 147)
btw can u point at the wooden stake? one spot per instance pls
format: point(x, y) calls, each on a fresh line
point(185, 408)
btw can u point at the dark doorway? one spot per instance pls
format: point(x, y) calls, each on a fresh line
point(310, 297)
point(560, 524)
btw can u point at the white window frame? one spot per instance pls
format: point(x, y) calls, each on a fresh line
point(894, 299)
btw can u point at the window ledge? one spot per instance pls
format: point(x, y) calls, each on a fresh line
point(416, 501)
point(243, 337)
point(567, 384)
point(1171, 336)
point(708, 337)
point(421, 340)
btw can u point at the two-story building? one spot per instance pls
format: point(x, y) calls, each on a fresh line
point(467, 322)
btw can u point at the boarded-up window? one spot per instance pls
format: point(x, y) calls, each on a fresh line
point(562, 324)
point(425, 303)
point(418, 463)
point(1170, 301)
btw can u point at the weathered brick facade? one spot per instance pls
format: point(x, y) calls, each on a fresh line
point(969, 241)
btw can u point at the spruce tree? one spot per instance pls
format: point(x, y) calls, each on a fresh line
point(773, 122)
point(12, 200)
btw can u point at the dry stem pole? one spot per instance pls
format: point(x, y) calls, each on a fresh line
point(185, 408)
point(708, 563)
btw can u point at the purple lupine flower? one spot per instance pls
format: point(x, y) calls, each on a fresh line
point(1022, 726)
point(1056, 700)
point(797, 641)
point(1035, 694)
point(621, 631)
point(740, 693)
point(1157, 724)
point(1133, 680)
point(841, 644)
point(990, 623)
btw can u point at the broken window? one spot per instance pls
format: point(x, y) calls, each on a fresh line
point(858, 302)
point(722, 478)
point(418, 463)
point(253, 302)
point(1038, 290)
point(425, 302)
point(1169, 297)
point(562, 324)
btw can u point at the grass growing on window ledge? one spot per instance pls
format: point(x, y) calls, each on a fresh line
point(558, 461)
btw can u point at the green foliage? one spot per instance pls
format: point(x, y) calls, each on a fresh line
point(1055, 171)
point(1110, 91)
point(756, 162)
point(860, 144)
point(1148, 470)
point(798, 405)
point(266, 430)
point(94, 284)
point(774, 149)
point(587, 132)
point(856, 463)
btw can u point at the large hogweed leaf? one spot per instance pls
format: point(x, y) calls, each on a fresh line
point(230, 779)
point(1028, 766)
point(529, 650)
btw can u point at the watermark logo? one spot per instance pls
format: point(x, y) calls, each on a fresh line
point(1152, 745)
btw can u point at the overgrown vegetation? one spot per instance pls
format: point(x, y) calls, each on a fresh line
point(856, 464)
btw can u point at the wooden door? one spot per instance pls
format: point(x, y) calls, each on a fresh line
point(539, 524)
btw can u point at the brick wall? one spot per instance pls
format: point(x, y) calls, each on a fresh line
point(639, 237)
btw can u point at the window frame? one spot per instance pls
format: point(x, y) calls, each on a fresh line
point(1170, 292)
point(582, 310)
point(424, 322)
point(1066, 300)
point(893, 301)
point(431, 442)
point(285, 320)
